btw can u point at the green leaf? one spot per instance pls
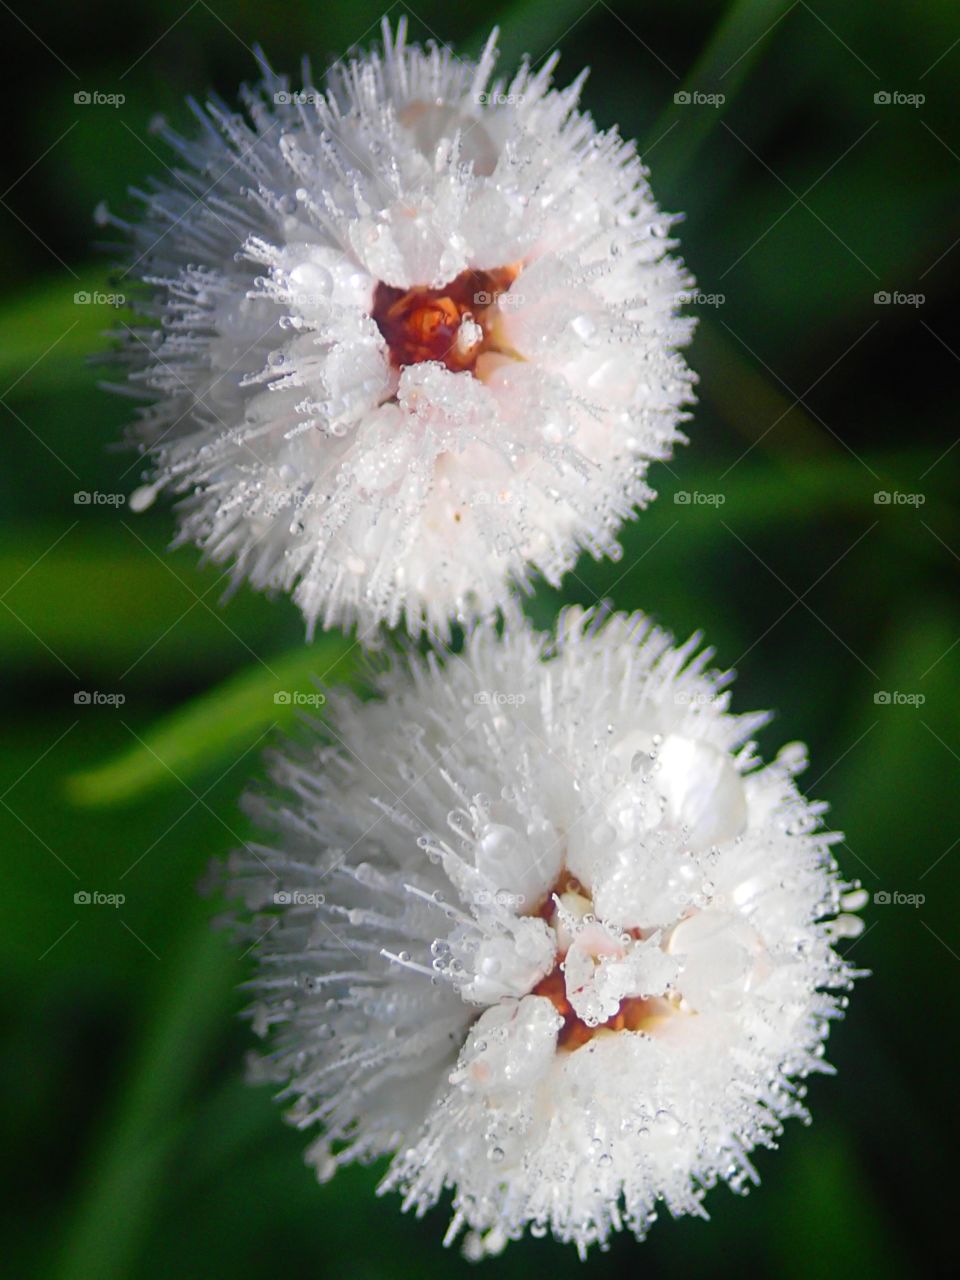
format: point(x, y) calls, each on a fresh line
point(218, 725)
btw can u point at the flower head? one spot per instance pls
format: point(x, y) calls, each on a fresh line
point(409, 338)
point(539, 923)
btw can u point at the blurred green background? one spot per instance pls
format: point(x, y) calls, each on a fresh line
point(133, 1147)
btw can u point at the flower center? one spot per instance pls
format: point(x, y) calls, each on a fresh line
point(452, 325)
point(636, 1013)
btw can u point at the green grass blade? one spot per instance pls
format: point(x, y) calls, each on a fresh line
point(129, 1170)
point(727, 59)
point(217, 725)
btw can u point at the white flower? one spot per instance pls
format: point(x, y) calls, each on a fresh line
point(574, 955)
point(406, 339)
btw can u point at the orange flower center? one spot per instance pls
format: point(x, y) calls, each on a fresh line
point(452, 325)
point(636, 1013)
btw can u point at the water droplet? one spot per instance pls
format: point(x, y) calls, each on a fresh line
point(143, 497)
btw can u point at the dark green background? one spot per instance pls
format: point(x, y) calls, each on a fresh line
point(133, 1147)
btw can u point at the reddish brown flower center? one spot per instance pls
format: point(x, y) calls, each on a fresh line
point(636, 1013)
point(428, 324)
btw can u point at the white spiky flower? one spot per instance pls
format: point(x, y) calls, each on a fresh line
point(409, 337)
point(538, 923)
